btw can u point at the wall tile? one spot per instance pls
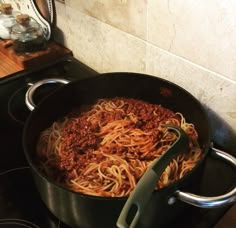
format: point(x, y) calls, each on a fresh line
point(217, 94)
point(127, 15)
point(200, 31)
point(102, 46)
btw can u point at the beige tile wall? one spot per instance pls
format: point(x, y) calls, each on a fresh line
point(191, 43)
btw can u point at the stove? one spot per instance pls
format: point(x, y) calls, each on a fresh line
point(20, 202)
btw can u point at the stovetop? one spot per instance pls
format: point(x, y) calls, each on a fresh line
point(20, 203)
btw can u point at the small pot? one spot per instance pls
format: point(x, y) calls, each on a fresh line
point(166, 204)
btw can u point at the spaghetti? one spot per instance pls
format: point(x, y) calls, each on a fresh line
point(104, 149)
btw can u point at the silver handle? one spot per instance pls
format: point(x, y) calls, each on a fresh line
point(209, 202)
point(30, 92)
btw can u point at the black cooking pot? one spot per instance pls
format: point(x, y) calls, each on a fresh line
point(80, 210)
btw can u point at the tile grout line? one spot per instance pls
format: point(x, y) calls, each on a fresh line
point(196, 65)
point(166, 51)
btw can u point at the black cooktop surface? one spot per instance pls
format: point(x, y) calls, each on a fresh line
point(20, 203)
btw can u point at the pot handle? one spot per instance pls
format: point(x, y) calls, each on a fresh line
point(209, 202)
point(30, 92)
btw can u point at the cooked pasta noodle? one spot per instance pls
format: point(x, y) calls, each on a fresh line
point(105, 148)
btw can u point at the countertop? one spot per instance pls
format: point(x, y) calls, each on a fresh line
point(7, 66)
point(12, 63)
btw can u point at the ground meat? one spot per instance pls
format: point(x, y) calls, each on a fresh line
point(79, 136)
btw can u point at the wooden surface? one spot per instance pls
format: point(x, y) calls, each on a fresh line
point(11, 62)
point(7, 66)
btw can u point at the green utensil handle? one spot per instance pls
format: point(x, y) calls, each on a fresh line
point(142, 193)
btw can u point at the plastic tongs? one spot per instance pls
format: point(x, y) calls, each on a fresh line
point(142, 193)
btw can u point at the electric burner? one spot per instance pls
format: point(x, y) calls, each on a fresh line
point(21, 204)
